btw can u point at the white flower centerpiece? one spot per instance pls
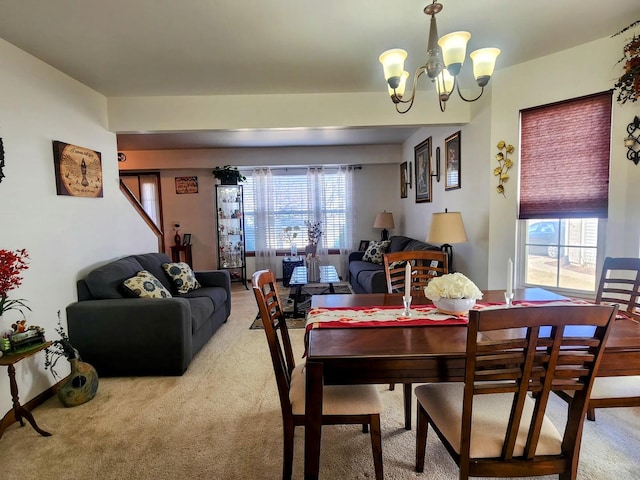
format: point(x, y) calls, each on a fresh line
point(452, 293)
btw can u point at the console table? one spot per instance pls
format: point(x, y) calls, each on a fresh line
point(176, 250)
point(19, 411)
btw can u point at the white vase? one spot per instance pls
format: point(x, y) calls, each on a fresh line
point(294, 250)
point(454, 306)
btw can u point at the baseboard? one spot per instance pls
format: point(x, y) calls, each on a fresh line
point(10, 417)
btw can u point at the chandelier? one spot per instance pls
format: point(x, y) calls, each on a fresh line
point(445, 57)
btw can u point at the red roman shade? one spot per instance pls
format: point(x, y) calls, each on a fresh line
point(564, 158)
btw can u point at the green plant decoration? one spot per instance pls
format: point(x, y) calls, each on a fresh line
point(228, 174)
point(505, 163)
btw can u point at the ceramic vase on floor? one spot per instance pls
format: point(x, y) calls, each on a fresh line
point(80, 386)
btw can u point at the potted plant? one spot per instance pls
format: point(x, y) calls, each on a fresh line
point(82, 383)
point(228, 175)
point(628, 85)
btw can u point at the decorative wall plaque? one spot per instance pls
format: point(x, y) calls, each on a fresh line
point(78, 170)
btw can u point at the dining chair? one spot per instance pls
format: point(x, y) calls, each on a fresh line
point(341, 404)
point(619, 284)
point(494, 424)
point(425, 264)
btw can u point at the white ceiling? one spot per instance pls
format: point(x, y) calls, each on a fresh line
point(226, 47)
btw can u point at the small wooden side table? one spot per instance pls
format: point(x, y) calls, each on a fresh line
point(176, 250)
point(20, 411)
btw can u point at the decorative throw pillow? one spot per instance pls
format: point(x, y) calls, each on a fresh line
point(375, 250)
point(401, 264)
point(145, 285)
point(182, 276)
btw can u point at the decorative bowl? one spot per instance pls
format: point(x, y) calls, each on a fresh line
point(454, 306)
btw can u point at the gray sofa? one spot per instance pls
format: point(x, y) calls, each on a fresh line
point(368, 277)
point(123, 336)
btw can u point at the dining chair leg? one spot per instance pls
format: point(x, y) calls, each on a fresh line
point(287, 456)
point(376, 446)
point(392, 386)
point(591, 414)
point(421, 438)
point(365, 428)
point(407, 406)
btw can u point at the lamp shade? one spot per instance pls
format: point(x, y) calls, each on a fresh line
point(447, 227)
point(393, 65)
point(484, 61)
point(384, 220)
point(454, 49)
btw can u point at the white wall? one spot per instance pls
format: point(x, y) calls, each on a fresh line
point(65, 236)
point(579, 71)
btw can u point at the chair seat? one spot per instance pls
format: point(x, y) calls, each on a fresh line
point(336, 399)
point(443, 402)
point(614, 387)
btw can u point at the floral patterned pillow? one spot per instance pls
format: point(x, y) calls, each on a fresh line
point(182, 276)
point(375, 250)
point(145, 285)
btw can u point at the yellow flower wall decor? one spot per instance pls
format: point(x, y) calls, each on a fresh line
point(505, 163)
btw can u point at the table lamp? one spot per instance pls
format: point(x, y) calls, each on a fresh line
point(384, 220)
point(447, 228)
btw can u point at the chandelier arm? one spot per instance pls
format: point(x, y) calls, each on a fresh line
point(419, 71)
point(466, 99)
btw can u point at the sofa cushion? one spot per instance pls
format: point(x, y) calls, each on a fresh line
point(217, 295)
point(375, 250)
point(145, 285)
point(201, 309)
point(106, 281)
point(398, 243)
point(152, 263)
point(373, 281)
point(183, 278)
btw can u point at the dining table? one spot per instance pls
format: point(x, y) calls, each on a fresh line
point(415, 353)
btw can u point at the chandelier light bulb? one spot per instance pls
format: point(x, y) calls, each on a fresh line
point(393, 65)
point(454, 50)
point(484, 61)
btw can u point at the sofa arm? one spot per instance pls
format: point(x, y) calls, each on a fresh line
point(217, 278)
point(356, 256)
point(132, 336)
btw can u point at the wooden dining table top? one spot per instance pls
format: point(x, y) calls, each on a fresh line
point(446, 340)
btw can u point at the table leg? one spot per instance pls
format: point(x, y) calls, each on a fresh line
point(331, 289)
point(18, 410)
point(313, 420)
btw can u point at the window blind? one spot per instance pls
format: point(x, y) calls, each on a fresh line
point(293, 204)
point(564, 158)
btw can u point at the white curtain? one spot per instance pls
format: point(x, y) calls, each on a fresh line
point(346, 245)
point(149, 198)
point(316, 198)
point(264, 201)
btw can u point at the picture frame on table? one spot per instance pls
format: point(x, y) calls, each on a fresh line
point(404, 182)
point(364, 244)
point(186, 239)
point(452, 160)
point(422, 163)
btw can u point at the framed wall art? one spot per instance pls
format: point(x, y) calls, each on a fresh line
point(404, 182)
point(422, 161)
point(452, 160)
point(186, 185)
point(186, 239)
point(78, 170)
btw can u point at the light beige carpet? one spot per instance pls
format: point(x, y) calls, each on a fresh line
point(221, 420)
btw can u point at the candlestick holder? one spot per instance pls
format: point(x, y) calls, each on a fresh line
point(508, 299)
point(406, 301)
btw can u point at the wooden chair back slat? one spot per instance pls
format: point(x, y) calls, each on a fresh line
point(425, 264)
point(620, 283)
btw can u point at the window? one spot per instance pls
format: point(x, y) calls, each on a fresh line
point(561, 253)
point(564, 191)
point(297, 197)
